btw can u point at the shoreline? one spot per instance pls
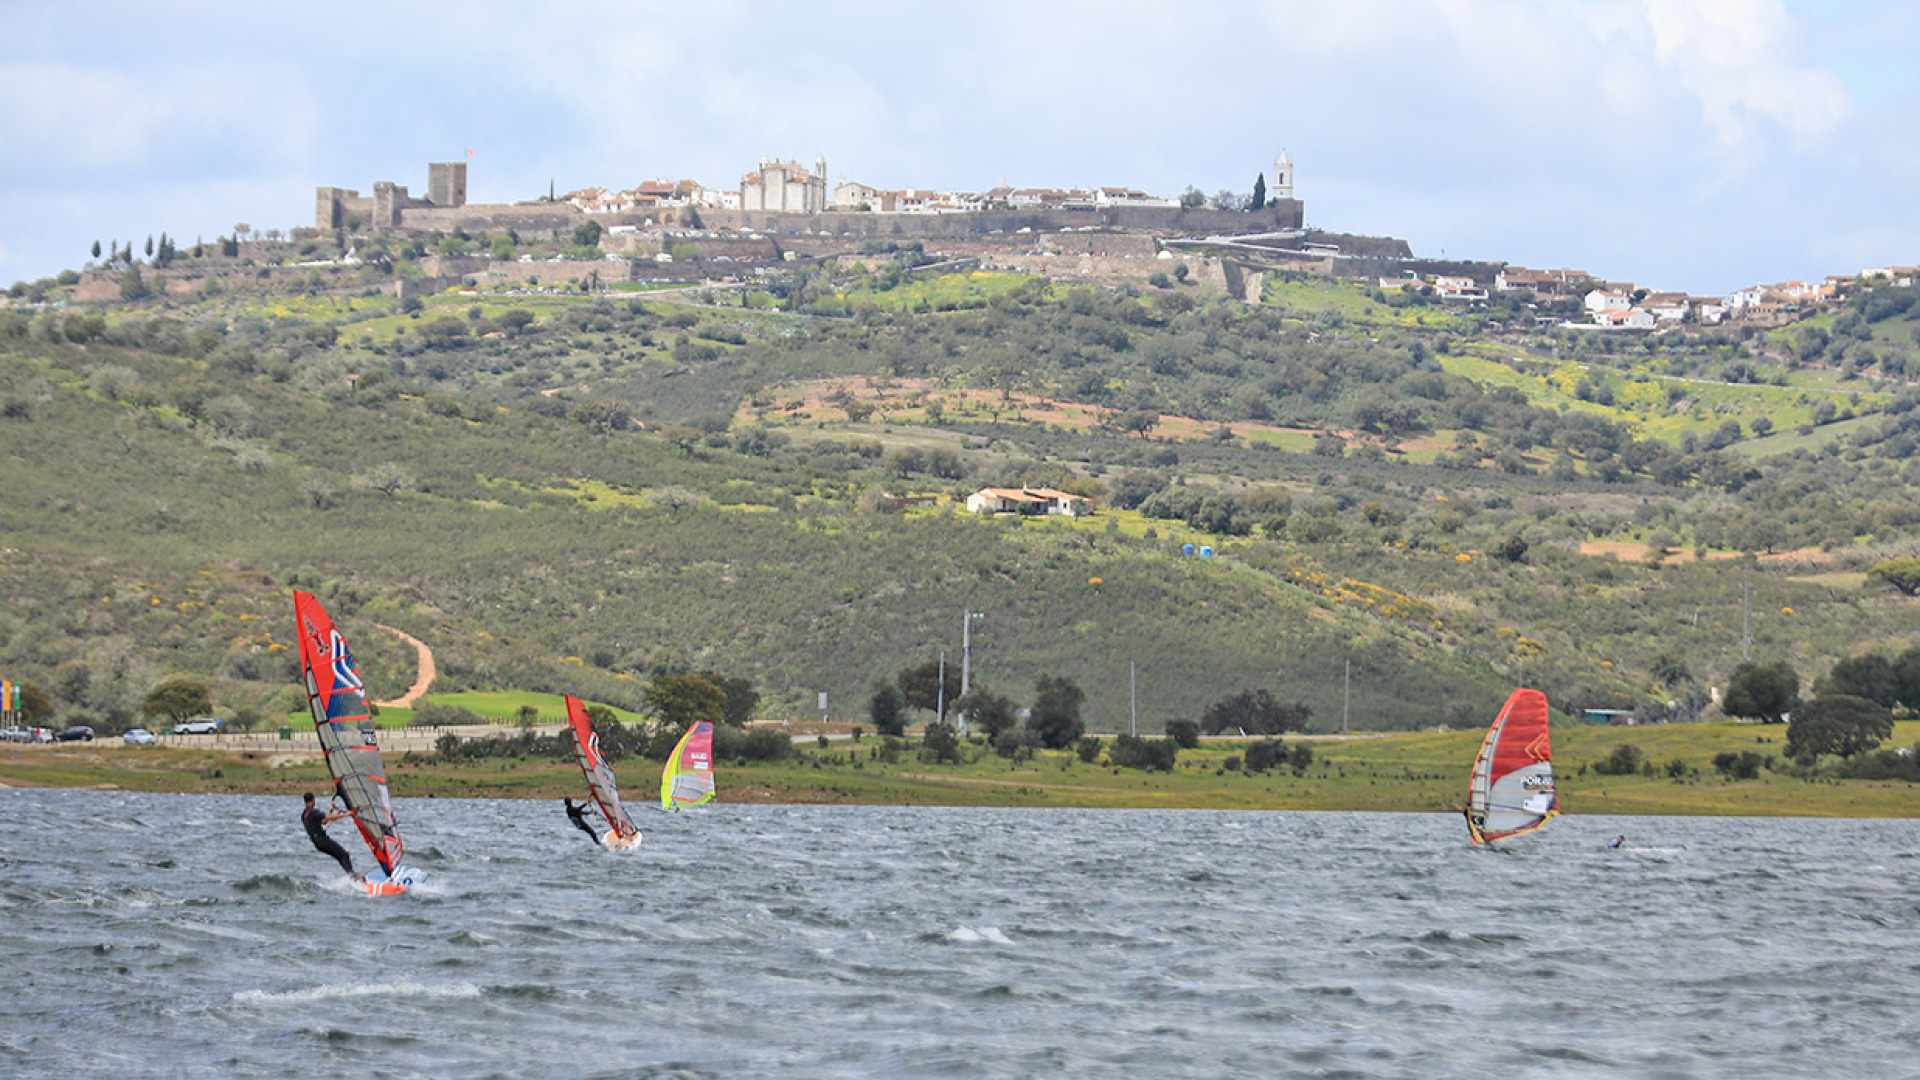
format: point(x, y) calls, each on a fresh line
point(1411, 773)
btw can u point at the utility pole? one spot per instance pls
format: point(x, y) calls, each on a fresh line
point(966, 649)
point(1746, 642)
point(1133, 701)
point(940, 690)
point(1346, 697)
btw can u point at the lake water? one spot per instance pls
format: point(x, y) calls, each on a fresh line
point(202, 936)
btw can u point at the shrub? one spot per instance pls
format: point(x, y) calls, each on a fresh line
point(1014, 743)
point(941, 744)
point(1901, 764)
point(1265, 754)
point(1625, 760)
point(1153, 755)
point(1300, 757)
point(1744, 765)
point(430, 714)
point(758, 744)
point(453, 747)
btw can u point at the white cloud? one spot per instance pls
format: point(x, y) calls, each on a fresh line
point(94, 121)
point(1736, 58)
point(77, 118)
point(1637, 136)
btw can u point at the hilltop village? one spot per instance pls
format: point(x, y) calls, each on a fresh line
point(783, 215)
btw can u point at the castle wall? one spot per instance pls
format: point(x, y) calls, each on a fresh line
point(454, 265)
point(392, 208)
point(1105, 269)
point(1283, 215)
point(557, 273)
point(647, 245)
point(530, 220)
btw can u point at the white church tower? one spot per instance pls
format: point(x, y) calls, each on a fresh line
point(1282, 185)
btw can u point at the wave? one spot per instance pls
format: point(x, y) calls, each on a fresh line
point(405, 988)
point(967, 935)
point(524, 992)
point(271, 885)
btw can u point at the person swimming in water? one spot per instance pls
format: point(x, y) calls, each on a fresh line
point(1618, 841)
point(578, 815)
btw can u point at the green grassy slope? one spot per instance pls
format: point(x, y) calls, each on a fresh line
point(1423, 773)
point(171, 479)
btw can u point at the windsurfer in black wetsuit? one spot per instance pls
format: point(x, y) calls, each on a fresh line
point(316, 823)
point(579, 816)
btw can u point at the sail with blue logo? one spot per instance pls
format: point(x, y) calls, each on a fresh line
point(338, 701)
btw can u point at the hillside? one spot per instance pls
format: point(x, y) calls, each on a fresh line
point(571, 492)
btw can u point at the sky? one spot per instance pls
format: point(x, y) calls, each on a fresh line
point(1699, 145)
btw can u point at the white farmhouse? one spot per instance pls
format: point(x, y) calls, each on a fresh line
point(1026, 501)
point(853, 195)
point(1600, 300)
point(1457, 288)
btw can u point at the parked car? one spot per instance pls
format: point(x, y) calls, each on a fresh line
point(76, 733)
point(41, 734)
point(140, 737)
point(16, 734)
point(205, 725)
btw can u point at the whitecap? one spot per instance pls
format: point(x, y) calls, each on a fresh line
point(967, 935)
point(325, 992)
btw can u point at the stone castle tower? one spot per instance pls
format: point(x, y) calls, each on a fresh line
point(1282, 185)
point(447, 183)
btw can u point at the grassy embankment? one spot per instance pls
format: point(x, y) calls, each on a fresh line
point(1418, 772)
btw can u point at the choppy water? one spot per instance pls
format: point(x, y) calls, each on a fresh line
point(160, 935)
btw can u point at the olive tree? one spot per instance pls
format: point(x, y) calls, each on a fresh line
point(178, 700)
point(1839, 724)
point(1762, 691)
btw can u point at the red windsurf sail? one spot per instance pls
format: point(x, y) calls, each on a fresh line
point(338, 701)
point(600, 780)
point(1511, 791)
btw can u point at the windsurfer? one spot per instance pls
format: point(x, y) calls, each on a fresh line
point(316, 823)
point(578, 814)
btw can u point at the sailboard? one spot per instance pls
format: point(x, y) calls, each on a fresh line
point(688, 778)
point(344, 724)
point(622, 833)
point(1511, 790)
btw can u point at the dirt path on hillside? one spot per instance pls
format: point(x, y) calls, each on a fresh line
point(422, 680)
point(1630, 551)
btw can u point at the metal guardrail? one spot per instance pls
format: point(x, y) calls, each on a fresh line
point(303, 740)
